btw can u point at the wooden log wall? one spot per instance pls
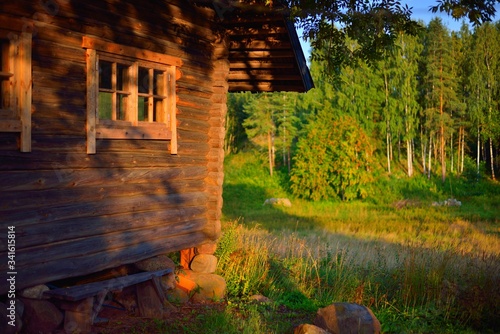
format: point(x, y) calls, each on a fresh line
point(74, 213)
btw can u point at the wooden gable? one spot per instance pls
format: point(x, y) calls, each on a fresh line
point(265, 54)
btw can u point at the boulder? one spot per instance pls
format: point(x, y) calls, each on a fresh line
point(309, 329)
point(204, 263)
point(347, 318)
point(278, 202)
point(260, 299)
point(41, 316)
point(208, 248)
point(155, 263)
point(202, 287)
point(168, 282)
point(35, 292)
point(177, 296)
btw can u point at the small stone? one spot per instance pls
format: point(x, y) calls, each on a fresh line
point(347, 318)
point(208, 248)
point(309, 329)
point(155, 263)
point(177, 296)
point(204, 263)
point(208, 287)
point(35, 292)
point(127, 298)
point(168, 282)
point(279, 202)
point(41, 316)
point(260, 299)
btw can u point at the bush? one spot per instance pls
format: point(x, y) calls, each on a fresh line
point(333, 160)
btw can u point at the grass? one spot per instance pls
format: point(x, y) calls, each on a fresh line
point(420, 268)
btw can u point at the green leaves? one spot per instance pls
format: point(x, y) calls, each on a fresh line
point(333, 160)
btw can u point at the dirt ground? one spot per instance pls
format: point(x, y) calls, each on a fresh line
point(120, 321)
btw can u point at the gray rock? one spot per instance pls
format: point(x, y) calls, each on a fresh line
point(204, 263)
point(260, 299)
point(41, 316)
point(278, 202)
point(155, 263)
point(35, 292)
point(309, 329)
point(347, 318)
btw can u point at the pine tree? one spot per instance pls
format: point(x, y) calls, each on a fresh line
point(439, 84)
point(484, 86)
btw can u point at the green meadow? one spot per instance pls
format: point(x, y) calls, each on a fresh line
point(420, 266)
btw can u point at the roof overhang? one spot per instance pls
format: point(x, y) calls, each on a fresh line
point(265, 54)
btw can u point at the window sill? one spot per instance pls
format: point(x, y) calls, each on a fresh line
point(125, 130)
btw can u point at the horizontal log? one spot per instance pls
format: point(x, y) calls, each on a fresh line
point(47, 271)
point(101, 206)
point(40, 234)
point(77, 178)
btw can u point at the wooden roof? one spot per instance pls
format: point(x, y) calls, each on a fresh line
point(264, 52)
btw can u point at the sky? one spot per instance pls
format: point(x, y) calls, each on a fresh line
point(420, 11)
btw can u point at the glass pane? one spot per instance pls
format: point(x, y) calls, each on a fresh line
point(105, 74)
point(4, 81)
point(142, 109)
point(159, 88)
point(121, 76)
point(143, 80)
point(105, 105)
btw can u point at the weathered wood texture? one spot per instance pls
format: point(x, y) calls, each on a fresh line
point(77, 213)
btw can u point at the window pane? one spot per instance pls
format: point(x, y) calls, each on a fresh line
point(4, 81)
point(159, 88)
point(105, 101)
point(143, 80)
point(121, 75)
point(105, 74)
point(142, 109)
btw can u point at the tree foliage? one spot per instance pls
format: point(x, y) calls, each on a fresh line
point(332, 160)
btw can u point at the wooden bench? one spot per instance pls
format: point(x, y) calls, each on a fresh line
point(82, 303)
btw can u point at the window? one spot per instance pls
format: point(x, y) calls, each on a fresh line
point(130, 94)
point(15, 86)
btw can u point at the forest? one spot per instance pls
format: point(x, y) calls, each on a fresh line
point(428, 107)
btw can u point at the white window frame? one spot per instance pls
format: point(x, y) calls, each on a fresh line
point(165, 128)
point(16, 81)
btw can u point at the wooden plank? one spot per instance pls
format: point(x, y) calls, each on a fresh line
point(111, 153)
point(172, 108)
point(25, 91)
point(79, 292)
point(92, 91)
point(40, 234)
point(10, 125)
point(144, 131)
point(101, 207)
point(78, 178)
point(81, 247)
point(61, 197)
point(123, 50)
point(34, 273)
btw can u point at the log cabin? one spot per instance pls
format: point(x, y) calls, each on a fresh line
point(112, 125)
